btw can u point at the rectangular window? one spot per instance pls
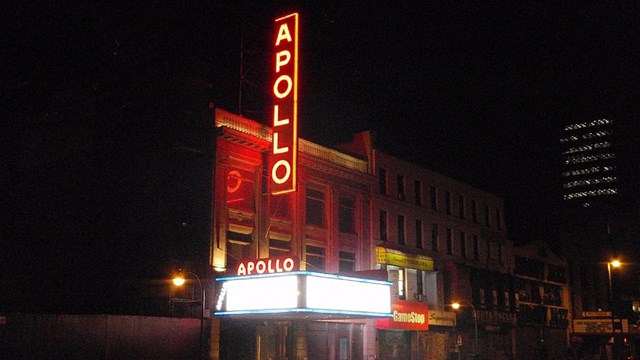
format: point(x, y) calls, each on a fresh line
point(434, 237)
point(401, 193)
point(382, 180)
point(486, 216)
point(347, 216)
point(314, 207)
point(447, 202)
point(401, 284)
point(449, 241)
point(347, 261)
point(498, 219)
point(499, 252)
point(417, 185)
point(460, 206)
point(474, 211)
point(419, 234)
point(315, 258)
point(433, 197)
point(463, 244)
point(476, 247)
point(383, 226)
point(279, 248)
point(419, 283)
point(401, 228)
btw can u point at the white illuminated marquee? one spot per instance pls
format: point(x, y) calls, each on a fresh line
point(326, 292)
point(278, 292)
point(303, 293)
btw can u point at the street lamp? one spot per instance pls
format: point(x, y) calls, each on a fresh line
point(179, 280)
point(613, 263)
point(456, 305)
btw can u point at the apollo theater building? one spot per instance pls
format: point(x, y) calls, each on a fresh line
point(341, 253)
point(290, 236)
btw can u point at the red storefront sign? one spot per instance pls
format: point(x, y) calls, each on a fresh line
point(406, 316)
point(283, 159)
point(268, 266)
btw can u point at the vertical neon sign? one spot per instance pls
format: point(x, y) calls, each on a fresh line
point(284, 154)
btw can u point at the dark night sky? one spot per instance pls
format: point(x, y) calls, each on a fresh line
point(97, 98)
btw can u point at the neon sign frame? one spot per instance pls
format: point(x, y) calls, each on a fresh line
point(284, 154)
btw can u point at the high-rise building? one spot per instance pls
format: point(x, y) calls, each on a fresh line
point(600, 221)
point(589, 169)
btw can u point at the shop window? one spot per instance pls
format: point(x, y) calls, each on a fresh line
point(382, 181)
point(383, 226)
point(419, 284)
point(315, 207)
point(347, 215)
point(315, 258)
point(401, 230)
point(402, 294)
point(347, 261)
point(419, 234)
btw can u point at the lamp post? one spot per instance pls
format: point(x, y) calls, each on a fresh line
point(179, 280)
point(610, 264)
point(456, 306)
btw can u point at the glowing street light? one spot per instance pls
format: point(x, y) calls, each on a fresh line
point(179, 280)
point(456, 305)
point(615, 264)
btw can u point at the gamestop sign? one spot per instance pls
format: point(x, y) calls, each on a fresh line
point(406, 316)
point(285, 105)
